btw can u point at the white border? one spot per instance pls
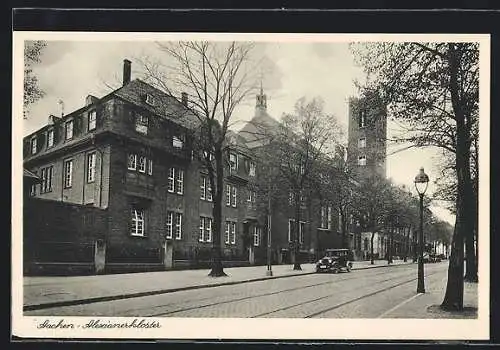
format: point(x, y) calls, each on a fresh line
point(199, 328)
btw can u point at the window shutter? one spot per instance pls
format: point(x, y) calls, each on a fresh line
point(77, 126)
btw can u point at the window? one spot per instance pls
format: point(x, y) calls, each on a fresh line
point(132, 162)
point(251, 196)
point(150, 100)
point(91, 167)
point(362, 142)
point(205, 229)
point(68, 173)
point(290, 197)
point(339, 226)
point(50, 138)
point(325, 217)
point(33, 190)
point(141, 124)
point(233, 161)
point(46, 185)
point(177, 142)
point(178, 226)
point(257, 232)
point(174, 229)
point(230, 232)
point(33, 145)
point(253, 167)
point(92, 120)
point(150, 167)
point(142, 164)
point(205, 188)
point(362, 119)
point(171, 180)
point(175, 180)
point(69, 130)
point(362, 160)
point(291, 230)
point(138, 222)
point(231, 195)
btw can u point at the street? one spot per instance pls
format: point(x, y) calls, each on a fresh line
point(371, 293)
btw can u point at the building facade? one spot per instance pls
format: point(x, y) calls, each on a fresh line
point(123, 168)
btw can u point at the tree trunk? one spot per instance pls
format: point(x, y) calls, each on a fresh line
point(470, 250)
point(343, 227)
point(217, 268)
point(454, 296)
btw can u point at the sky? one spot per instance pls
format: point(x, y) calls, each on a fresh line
point(71, 70)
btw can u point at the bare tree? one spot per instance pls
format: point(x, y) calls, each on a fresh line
point(434, 88)
point(302, 139)
point(214, 77)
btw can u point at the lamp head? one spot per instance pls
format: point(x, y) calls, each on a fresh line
point(421, 181)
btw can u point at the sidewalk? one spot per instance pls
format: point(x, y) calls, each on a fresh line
point(425, 306)
point(43, 292)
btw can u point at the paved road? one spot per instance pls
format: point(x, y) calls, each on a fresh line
point(359, 294)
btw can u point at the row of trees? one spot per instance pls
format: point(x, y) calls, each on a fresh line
point(432, 89)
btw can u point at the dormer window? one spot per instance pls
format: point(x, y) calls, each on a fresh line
point(50, 138)
point(362, 160)
point(92, 120)
point(252, 169)
point(233, 161)
point(362, 142)
point(33, 145)
point(150, 100)
point(69, 130)
point(141, 124)
point(177, 142)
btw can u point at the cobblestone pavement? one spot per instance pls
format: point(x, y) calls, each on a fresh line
point(386, 292)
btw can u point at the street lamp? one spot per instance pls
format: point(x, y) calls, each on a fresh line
point(421, 182)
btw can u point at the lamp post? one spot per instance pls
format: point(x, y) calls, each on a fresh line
point(421, 182)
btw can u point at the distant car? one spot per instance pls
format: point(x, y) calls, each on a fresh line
point(335, 260)
point(427, 258)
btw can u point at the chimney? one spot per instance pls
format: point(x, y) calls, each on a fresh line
point(89, 100)
point(184, 98)
point(126, 71)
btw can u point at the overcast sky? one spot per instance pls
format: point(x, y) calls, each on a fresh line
point(70, 71)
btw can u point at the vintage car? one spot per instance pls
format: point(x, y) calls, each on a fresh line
point(335, 260)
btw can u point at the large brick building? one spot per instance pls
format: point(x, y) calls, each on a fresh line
point(122, 166)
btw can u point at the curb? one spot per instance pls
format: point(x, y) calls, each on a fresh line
point(48, 305)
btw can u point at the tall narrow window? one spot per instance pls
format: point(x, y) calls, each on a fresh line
point(132, 162)
point(205, 229)
point(69, 130)
point(226, 232)
point(228, 195)
point(203, 187)
point(92, 120)
point(150, 167)
point(232, 235)
point(33, 190)
point(179, 183)
point(138, 222)
point(141, 124)
point(209, 190)
point(68, 173)
point(257, 232)
point(50, 138)
point(142, 164)
point(91, 167)
point(302, 228)
point(178, 226)
point(291, 230)
point(234, 196)
point(46, 185)
point(362, 119)
point(169, 228)
point(230, 232)
point(171, 180)
point(33, 145)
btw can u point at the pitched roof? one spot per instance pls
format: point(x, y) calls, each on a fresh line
point(166, 106)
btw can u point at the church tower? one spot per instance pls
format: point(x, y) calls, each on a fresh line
point(367, 136)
